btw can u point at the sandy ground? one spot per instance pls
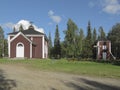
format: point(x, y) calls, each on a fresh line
point(21, 78)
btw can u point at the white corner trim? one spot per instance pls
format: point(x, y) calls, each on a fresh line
point(109, 46)
point(9, 46)
point(98, 49)
point(30, 50)
point(43, 45)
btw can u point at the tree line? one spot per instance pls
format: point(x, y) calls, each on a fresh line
point(3, 44)
point(77, 44)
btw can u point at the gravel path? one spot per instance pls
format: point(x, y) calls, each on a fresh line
point(21, 78)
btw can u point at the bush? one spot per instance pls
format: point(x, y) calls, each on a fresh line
point(116, 62)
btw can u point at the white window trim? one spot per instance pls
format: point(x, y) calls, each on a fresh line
point(98, 48)
point(17, 46)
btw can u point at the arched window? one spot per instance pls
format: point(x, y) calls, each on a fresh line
point(20, 45)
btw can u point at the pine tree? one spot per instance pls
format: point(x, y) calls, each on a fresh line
point(114, 37)
point(94, 43)
point(88, 42)
point(70, 39)
point(57, 46)
point(94, 35)
point(63, 49)
point(102, 35)
point(1, 42)
point(81, 41)
point(5, 48)
point(50, 46)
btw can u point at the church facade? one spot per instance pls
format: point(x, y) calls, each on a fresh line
point(27, 44)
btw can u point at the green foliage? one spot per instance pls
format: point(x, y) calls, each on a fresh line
point(63, 50)
point(5, 47)
point(94, 37)
point(57, 46)
point(80, 44)
point(70, 39)
point(114, 37)
point(1, 42)
point(50, 46)
point(102, 35)
point(88, 42)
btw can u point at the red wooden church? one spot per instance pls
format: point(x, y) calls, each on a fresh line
point(27, 44)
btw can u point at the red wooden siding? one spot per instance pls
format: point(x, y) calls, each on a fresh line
point(13, 44)
point(37, 49)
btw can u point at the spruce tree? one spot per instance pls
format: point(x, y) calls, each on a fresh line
point(88, 42)
point(81, 42)
point(102, 35)
point(94, 50)
point(57, 46)
point(70, 39)
point(114, 37)
point(50, 46)
point(5, 47)
point(1, 42)
point(94, 35)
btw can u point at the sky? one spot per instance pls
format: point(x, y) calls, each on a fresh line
point(47, 14)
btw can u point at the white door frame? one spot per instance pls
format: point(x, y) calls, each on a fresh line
point(20, 50)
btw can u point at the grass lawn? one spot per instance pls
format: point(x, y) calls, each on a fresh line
point(73, 67)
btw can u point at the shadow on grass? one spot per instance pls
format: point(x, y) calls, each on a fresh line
point(6, 84)
point(89, 85)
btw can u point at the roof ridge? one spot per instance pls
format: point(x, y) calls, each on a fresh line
point(28, 31)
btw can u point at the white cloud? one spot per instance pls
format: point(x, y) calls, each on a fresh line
point(55, 18)
point(9, 25)
point(111, 6)
point(108, 6)
point(50, 13)
point(26, 24)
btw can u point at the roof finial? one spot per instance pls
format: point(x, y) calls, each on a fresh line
point(31, 26)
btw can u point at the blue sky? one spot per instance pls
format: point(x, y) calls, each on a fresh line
point(47, 13)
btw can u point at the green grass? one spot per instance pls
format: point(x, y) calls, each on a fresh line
point(74, 67)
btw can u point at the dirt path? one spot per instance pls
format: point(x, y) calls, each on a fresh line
point(21, 78)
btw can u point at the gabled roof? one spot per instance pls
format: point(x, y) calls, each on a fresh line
point(20, 33)
point(29, 31)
